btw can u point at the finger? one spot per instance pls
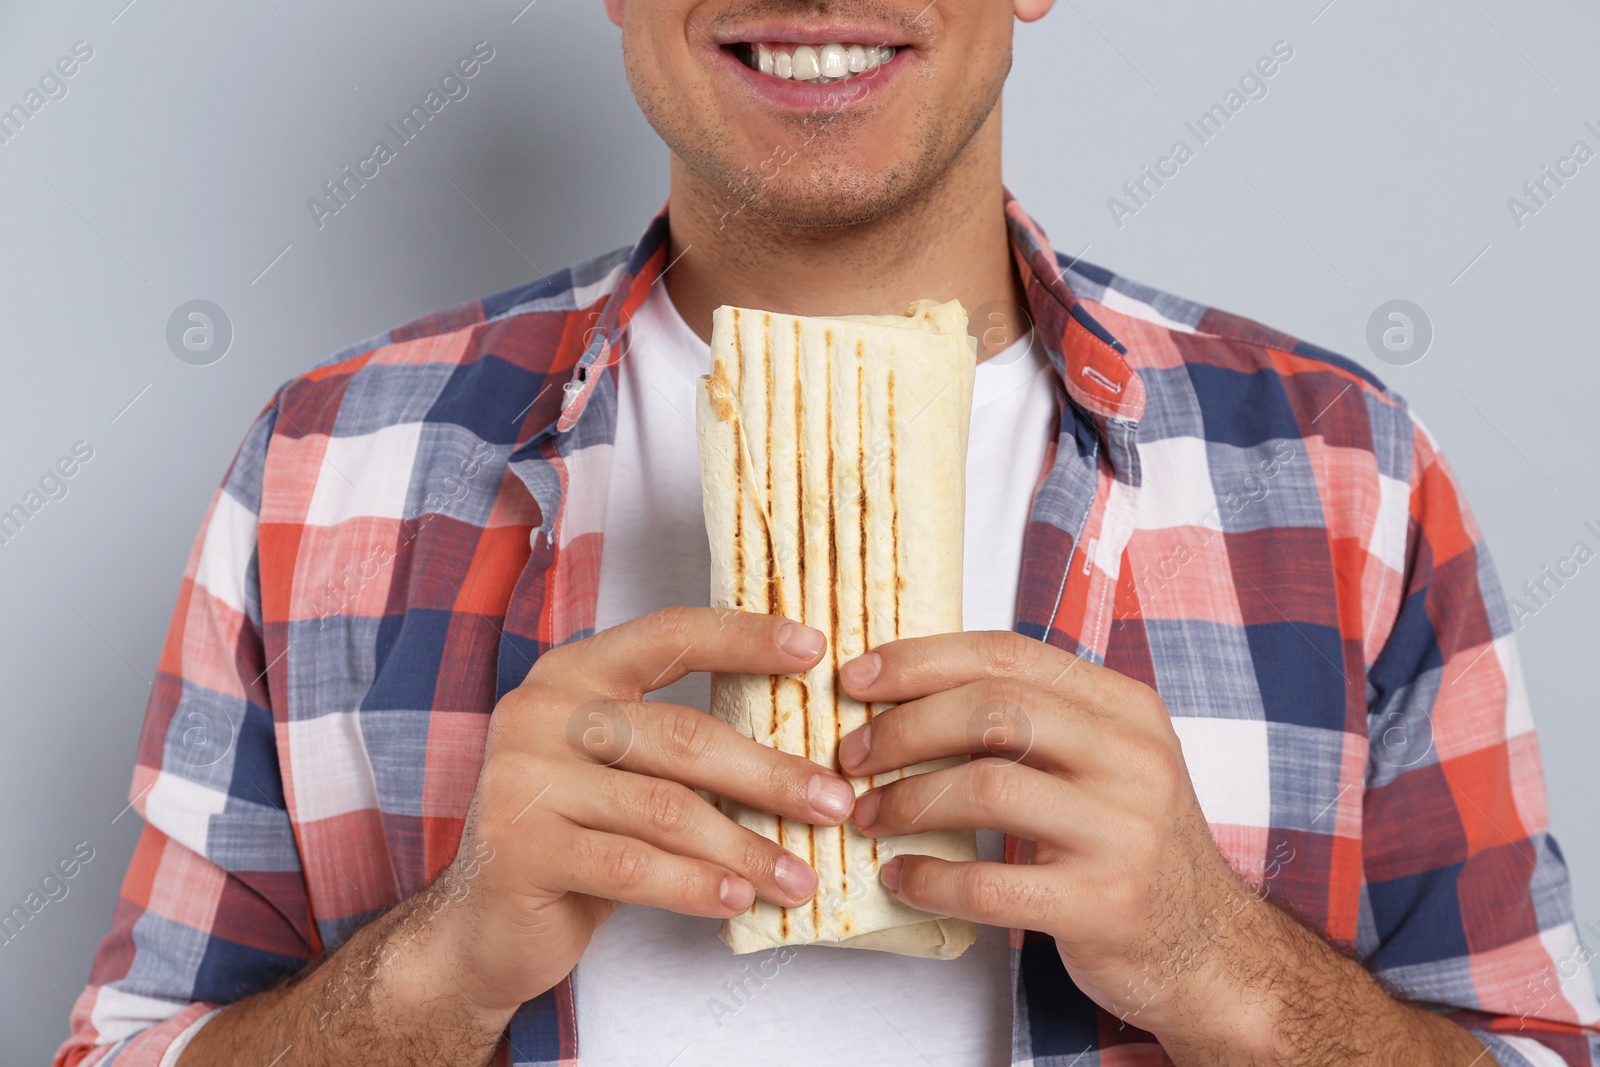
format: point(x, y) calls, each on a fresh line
point(985, 794)
point(998, 717)
point(676, 819)
point(996, 894)
point(625, 869)
point(687, 745)
point(905, 670)
point(631, 659)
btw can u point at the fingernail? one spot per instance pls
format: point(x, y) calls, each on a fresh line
point(736, 893)
point(799, 640)
point(891, 875)
point(867, 809)
point(853, 751)
point(794, 877)
point(831, 797)
point(862, 671)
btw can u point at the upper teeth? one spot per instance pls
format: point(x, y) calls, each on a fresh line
point(822, 64)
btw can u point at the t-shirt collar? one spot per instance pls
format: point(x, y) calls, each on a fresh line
point(1090, 363)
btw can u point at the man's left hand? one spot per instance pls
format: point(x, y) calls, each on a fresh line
point(1078, 760)
point(1151, 921)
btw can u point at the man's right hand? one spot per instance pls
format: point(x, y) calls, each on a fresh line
point(586, 799)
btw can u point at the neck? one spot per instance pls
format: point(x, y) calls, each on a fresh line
point(949, 243)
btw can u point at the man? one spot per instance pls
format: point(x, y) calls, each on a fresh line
point(1280, 800)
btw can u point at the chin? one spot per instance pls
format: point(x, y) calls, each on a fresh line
point(854, 177)
point(828, 197)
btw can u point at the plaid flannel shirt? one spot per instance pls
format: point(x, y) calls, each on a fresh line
point(1252, 525)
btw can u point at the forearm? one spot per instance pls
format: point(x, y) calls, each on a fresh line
point(1280, 995)
point(390, 995)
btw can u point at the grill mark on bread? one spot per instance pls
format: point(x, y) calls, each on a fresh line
point(894, 532)
point(800, 560)
point(833, 583)
point(894, 503)
point(741, 600)
point(774, 581)
point(861, 479)
point(776, 742)
point(773, 590)
point(805, 720)
point(738, 475)
point(844, 843)
point(766, 352)
point(799, 489)
point(861, 504)
point(895, 520)
point(833, 541)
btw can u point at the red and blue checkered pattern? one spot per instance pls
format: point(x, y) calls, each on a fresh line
point(1253, 526)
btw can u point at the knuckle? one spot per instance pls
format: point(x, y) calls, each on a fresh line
point(756, 857)
point(508, 721)
point(996, 784)
point(558, 659)
point(686, 735)
point(1169, 760)
point(499, 733)
point(784, 779)
point(889, 730)
point(1133, 694)
point(673, 623)
point(505, 785)
point(599, 731)
point(982, 892)
point(1146, 699)
point(498, 779)
point(1122, 895)
point(666, 805)
point(1001, 651)
point(1160, 765)
point(621, 865)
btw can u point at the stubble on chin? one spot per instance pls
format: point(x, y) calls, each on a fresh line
point(815, 175)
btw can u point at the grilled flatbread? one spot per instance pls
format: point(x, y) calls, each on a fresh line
point(833, 459)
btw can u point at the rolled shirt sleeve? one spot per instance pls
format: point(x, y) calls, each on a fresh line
point(1467, 904)
point(213, 907)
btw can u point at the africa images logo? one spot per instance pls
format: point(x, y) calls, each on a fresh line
point(1252, 85)
point(452, 86)
point(52, 86)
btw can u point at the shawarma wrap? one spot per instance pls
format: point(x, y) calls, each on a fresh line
point(833, 460)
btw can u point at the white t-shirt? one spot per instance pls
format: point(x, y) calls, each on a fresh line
point(659, 988)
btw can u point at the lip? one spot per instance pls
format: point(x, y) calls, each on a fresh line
point(809, 96)
point(813, 33)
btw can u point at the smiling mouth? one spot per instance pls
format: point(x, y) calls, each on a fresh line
point(817, 64)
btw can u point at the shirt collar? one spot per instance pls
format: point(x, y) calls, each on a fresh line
point(1089, 362)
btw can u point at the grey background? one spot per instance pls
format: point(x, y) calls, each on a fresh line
point(178, 168)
